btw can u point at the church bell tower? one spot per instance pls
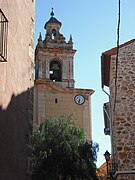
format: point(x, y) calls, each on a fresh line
point(54, 56)
point(55, 94)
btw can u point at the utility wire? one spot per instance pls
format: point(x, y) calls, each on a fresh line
point(117, 54)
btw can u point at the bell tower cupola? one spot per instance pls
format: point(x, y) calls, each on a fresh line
point(54, 56)
point(52, 27)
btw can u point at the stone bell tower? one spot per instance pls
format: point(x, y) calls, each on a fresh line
point(54, 56)
point(54, 91)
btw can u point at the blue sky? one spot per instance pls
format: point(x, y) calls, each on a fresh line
point(93, 25)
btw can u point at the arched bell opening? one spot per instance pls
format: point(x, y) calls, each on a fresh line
point(53, 33)
point(55, 71)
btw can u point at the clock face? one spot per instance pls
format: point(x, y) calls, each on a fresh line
point(79, 99)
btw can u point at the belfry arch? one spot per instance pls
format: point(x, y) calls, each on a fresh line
point(53, 33)
point(55, 71)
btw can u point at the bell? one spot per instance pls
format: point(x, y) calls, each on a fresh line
point(55, 75)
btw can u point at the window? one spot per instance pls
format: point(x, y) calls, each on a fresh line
point(53, 34)
point(107, 119)
point(56, 100)
point(3, 37)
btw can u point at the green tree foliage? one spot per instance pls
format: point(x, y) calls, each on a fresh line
point(61, 152)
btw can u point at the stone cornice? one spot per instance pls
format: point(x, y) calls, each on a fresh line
point(51, 85)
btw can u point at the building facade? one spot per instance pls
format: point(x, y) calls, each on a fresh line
point(16, 83)
point(118, 73)
point(55, 92)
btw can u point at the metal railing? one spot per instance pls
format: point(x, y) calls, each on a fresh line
point(3, 37)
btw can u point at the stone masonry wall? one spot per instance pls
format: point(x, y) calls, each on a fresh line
point(123, 111)
point(16, 91)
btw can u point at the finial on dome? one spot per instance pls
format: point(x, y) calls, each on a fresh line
point(52, 13)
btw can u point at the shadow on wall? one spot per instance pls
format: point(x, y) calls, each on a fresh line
point(15, 137)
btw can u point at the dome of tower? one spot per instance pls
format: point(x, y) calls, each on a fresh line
point(52, 20)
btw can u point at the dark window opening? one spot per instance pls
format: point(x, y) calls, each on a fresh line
point(53, 34)
point(3, 36)
point(56, 100)
point(107, 119)
point(55, 71)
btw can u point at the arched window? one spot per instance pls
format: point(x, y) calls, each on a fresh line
point(55, 71)
point(53, 34)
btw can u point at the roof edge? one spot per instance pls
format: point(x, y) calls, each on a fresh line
point(113, 51)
